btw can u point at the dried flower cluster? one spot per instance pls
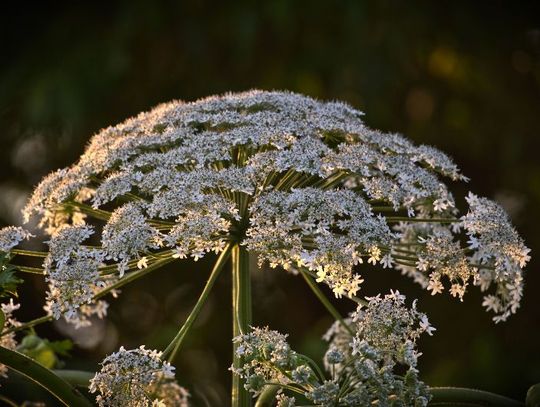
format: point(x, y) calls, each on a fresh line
point(300, 182)
point(137, 378)
point(365, 367)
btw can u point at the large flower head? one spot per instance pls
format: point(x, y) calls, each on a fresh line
point(302, 183)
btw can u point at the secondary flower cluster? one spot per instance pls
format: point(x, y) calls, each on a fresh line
point(72, 271)
point(365, 360)
point(300, 182)
point(499, 249)
point(325, 231)
point(137, 378)
point(11, 236)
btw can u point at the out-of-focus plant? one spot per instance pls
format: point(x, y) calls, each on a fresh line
point(305, 186)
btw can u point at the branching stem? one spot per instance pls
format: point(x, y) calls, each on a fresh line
point(173, 347)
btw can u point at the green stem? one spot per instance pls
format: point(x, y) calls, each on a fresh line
point(128, 278)
point(134, 275)
point(8, 402)
point(426, 220)
point(327, 304)
point(472, 397)
point(96, 213)
point(353, 298)
point(241, 302)
point(58, 387)
point(267, 397)
point(30, 270)
point(29, 324)
point(30, 253)
point(173, 347)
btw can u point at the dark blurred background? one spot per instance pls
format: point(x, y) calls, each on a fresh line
point(462, 76)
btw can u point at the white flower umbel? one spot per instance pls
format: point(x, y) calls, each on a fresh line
point(500, 250)
point(127, 234)
point(71, 270)
point(325, 231)
point(137, 378)
point(11, 236)
point(302, 183)
point(386, 323)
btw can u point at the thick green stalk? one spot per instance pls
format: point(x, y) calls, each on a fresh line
point(457, 396)
point(241, 301)
point(174, 346)
point(58, 387)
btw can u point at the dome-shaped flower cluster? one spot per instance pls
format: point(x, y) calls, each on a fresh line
point(137, 378)
point(300, 182)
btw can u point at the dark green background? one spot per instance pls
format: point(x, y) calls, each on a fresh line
point(462, 76)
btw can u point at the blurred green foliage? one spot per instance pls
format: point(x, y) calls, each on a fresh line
point(462, 76)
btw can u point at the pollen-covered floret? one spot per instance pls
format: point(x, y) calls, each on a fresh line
point(137, 378)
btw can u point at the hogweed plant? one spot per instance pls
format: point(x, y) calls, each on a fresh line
point(303, 185)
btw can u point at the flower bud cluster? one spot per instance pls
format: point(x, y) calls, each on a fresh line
point(268, 358)
point(366, 368)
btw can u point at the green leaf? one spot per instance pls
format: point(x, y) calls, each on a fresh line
point(44, 355)
point(454, 396)
point(58, 387)
point(61, 348)
point(533, 396)
point(8, 281)
point(43, 351)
